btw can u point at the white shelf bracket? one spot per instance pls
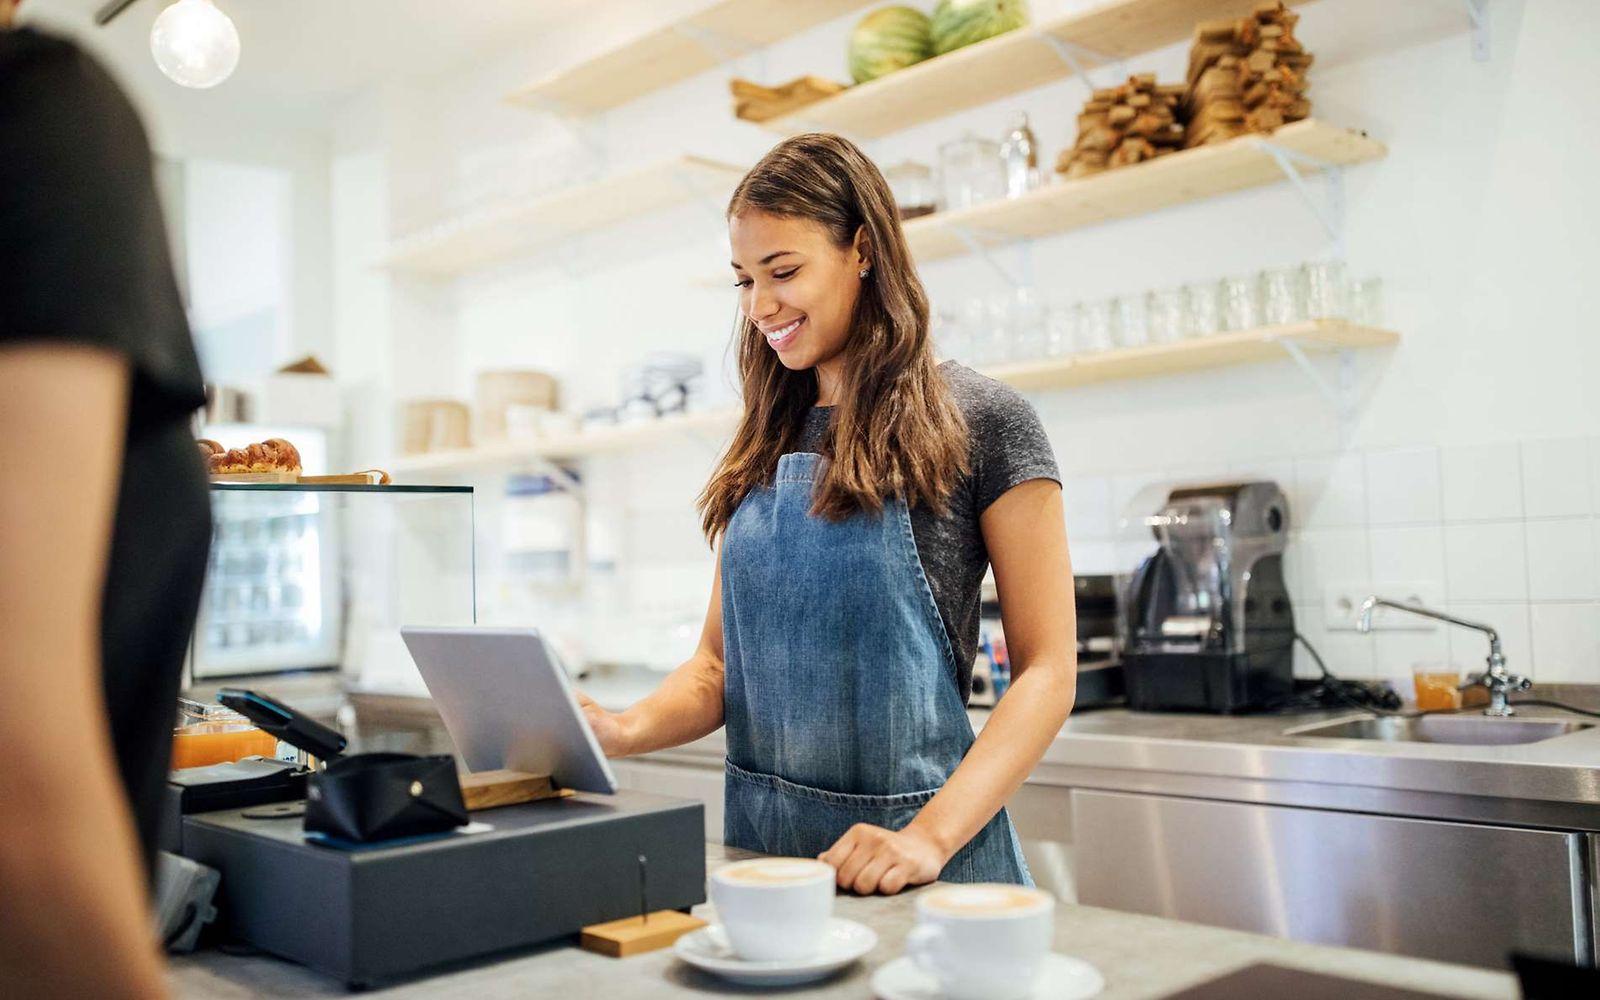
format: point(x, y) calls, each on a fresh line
point(699, 197)
point(1340, 392)
point(1331, 214)
point(717, 46)
point(1075, 56)
point(1478, 14)
point(978, 248)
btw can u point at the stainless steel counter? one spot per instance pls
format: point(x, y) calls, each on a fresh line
point(1139, 956)
point(1555, 783)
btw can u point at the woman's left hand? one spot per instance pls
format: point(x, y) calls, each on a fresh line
point(870, 859)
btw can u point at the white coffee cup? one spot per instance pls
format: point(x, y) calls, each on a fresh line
point(983, 941)
point(774, 909)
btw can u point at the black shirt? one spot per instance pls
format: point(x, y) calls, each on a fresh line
point(84, 260)
point(1007, 445)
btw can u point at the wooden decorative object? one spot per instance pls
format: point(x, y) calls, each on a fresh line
point(1245, 75)
point(636, 935)
point(754, 103)
point(1123, 125)
point(493, 789)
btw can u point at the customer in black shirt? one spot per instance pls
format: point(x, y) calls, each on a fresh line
point(104, 524)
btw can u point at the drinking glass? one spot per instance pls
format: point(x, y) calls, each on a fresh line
point(1061, 329)
point(949, 335)
point(1202, 309)
point(1327, 294)
point(1366, 302)
point(1283, 298)
point(1026, 323)
point(1131, 321)
point(1167, 315)
point(1241, 303)
point(974, 328)
point(1094, 326)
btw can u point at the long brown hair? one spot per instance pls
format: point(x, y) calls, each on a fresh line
point(895, 431)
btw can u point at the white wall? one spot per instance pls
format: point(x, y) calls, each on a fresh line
point(208, 125)
point(1469, 464)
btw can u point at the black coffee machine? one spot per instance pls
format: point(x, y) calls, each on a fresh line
point(1209, 626)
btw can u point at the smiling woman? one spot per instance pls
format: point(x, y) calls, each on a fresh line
point(821, 263)
point(865, 493)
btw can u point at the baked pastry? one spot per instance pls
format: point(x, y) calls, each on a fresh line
point(271, 455)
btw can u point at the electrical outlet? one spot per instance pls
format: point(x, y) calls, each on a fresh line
point(1341, 605)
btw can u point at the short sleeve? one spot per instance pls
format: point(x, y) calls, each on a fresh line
point(83, 251)
point(1009, 445)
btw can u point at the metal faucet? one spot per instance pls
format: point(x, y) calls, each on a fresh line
point(1496, 679)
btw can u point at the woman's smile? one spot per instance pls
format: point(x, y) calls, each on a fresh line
point(781, 337)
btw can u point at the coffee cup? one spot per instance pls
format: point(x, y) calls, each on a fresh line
point(983, 941)
point(773, 909)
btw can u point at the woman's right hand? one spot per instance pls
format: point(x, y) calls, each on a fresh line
point(609, 729)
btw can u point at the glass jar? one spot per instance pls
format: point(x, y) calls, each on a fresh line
point(1095, 326)
point(1366, 302)
point(1202, 309)
point(1167, 315)
point(914, 192)
point(1241, 303)
point(970, 172)
point(1283, 297)
point(1327, 293)
point(1130, 321)
point(1061, 329)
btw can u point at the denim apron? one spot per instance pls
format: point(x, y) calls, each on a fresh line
point(840, 695)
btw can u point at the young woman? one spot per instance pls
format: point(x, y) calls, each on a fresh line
point(866, 490)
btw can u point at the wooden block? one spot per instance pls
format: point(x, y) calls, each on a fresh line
point(636, 935)
point(492, 789)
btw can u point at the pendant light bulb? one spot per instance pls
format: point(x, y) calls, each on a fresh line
point(195, 44)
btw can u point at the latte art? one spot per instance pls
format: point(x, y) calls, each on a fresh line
point(775, 871)
point(984, 900)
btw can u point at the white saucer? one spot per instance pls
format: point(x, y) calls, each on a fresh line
point(843, 942)
point(1060, 978)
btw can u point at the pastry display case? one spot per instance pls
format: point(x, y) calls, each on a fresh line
point(307, 577)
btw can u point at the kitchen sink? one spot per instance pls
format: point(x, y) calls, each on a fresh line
point(1470, 730)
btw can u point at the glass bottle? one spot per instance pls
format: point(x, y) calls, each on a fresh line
point(1019, 154)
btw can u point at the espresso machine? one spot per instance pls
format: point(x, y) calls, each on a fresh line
point(1208, 619)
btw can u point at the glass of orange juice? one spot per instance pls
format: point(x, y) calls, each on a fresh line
point(213, 734)
point(1438, 686)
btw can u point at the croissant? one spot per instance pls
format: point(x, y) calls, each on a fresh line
point(271, 455)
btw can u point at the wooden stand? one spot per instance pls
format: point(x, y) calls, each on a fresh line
point(636, 935)
point(492, 789)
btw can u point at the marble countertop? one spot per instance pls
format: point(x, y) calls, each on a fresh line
point(1139, 956)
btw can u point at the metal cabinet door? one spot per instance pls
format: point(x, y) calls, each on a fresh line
point(684, 781)
point(1450, 891)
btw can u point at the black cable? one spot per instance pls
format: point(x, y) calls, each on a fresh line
point(1330, 691)
point(1546, 702)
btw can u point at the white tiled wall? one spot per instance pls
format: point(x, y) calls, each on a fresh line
point(1505, 533)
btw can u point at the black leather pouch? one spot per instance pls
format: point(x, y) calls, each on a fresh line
point(380, 796)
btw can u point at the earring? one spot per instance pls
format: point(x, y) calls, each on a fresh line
point(864, 271)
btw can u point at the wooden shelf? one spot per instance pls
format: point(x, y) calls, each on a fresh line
point(676, 52)
point(1191, 175)
point(568, 446)
point(1007, 64)
point(1215, 351)
point(522, 227)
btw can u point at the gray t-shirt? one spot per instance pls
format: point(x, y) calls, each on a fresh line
point(1009, 446)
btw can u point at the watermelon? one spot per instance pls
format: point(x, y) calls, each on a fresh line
point(961, 22)
point(888, 39)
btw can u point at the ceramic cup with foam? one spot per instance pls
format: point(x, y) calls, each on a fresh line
point(774, 909)
point(984, 941)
